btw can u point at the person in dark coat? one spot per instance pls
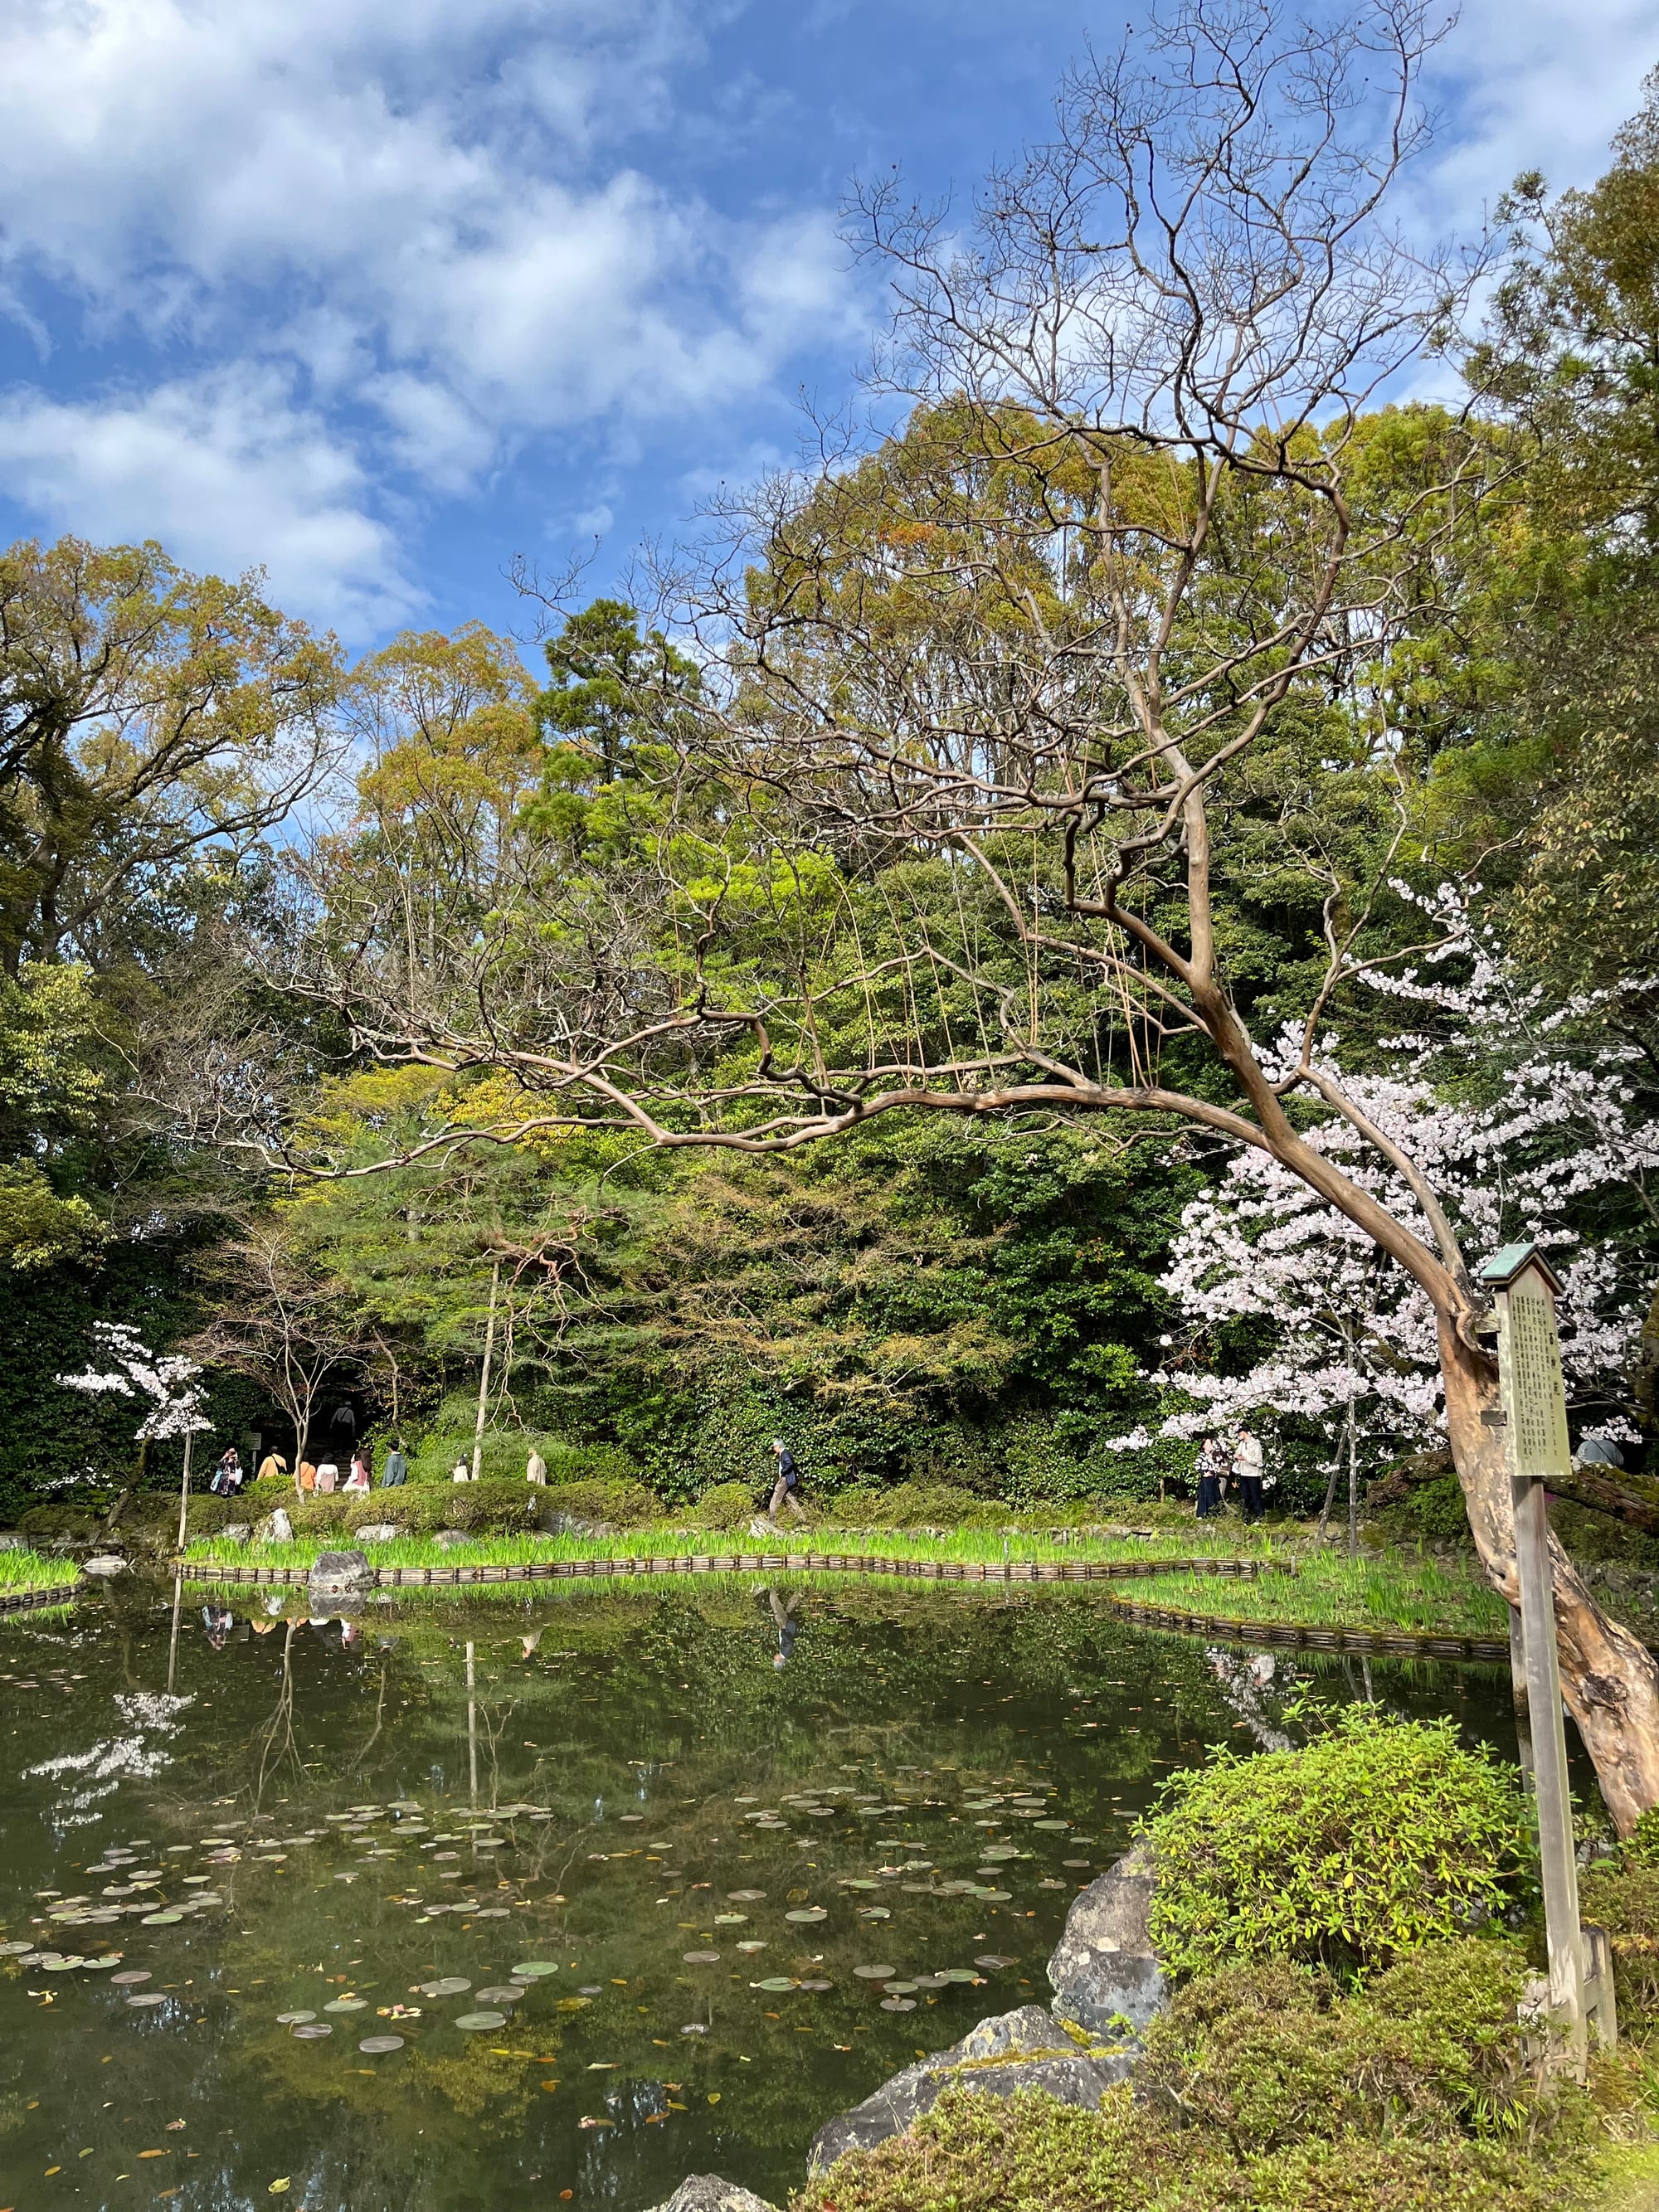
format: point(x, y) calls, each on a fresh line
point(1212, 1460)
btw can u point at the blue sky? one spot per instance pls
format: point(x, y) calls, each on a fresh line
point(379, 294)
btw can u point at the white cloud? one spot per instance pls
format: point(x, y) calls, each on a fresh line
point(228, 472)
point(1535, 84)
point(437, 188)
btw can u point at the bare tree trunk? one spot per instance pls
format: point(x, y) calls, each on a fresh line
point(1609, 1681)
point(483, 1378)
point(1353, 1482)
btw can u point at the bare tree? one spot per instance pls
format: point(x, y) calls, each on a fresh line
point(279, 1322)
point(1133, 535)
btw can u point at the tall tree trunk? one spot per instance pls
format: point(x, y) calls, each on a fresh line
point(483, 1378)
point(1610, 1681)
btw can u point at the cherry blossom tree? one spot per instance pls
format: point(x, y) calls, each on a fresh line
point(1557, 1130)
point(171, 1383)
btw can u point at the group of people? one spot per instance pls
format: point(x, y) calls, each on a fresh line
point(1237, 1458)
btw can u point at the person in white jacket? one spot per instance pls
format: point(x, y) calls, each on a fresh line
point(1247, 1472)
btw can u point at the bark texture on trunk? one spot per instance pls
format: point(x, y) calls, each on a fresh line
point(1609, 1680)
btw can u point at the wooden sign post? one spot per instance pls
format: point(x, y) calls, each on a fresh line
point(1535, 1425)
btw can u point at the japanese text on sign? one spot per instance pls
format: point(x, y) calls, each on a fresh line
point(1537, 1403)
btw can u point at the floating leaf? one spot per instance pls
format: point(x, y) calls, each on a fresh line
point(309, 2032)
point(807, 1912)
point(293, 2019)
point(131, 1977)
point(450, 1986)
point(162, 1919)
point(701, 1958)
point(500, 1996)
point(774, 1982)
point(276, 2188)
point(474, 2022)
point(347, 2004)
point(746, 1896)
point(900, 1989)
point(994, 1959)
point(875, 1973)
point(738, 1919)
point(533, 1966)
point(374, 2044)
point(817, 1985)
point(898, 2004)
point(149, 1997)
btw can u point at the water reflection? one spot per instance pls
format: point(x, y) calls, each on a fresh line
point(597, 1817)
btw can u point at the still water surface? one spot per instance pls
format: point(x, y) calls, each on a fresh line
point(620, 1871)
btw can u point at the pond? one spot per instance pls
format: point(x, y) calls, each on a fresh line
point(449, 1906)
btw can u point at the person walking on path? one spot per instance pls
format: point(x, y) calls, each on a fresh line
point(272, 1463)
point(785, 1490)
point(357, 1481)
point(1211, 1461)
point(397, 1467)
point(1247, 1472)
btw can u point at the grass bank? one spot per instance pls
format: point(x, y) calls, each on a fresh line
point(1330, 1591)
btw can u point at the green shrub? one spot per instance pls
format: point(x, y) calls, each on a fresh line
point(58, 1524)
point(1379, 1835)
point(1274, 2053)
point(911, 1505)
point(507, 1452)
point(728, 1505)
point(615, 1502)
point(1031, 2153)
point(1624, 1899)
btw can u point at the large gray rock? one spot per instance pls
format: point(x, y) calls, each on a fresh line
point(236, 1532)
point(1104, 1973)
point(106, 1562)
point(340, 1574)
point(707, 2192)
point(1026, 2048)
point(377, 1532)
point(276, 1528)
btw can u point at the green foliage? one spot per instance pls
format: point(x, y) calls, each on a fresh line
point(728, 1505)
point(1623, 1897)
point(1378, 1835)
point(1273, 2053)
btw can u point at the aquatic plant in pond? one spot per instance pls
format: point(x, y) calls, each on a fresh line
point(21, 1569)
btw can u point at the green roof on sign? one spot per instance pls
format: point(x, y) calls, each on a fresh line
point(1505, 1265)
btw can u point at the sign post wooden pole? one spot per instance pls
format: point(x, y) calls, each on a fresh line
point(1535, 1408)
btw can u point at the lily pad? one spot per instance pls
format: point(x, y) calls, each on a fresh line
point(957, 1974)
point(817, 1985)
point(133, 1976)
point(293, 2019)
point(900, 1989)
point(874, 1912)
point(746, 1896)
point(531, 1967)
point(875, 1973)
point(162, 1919)
point(1053, 1824)
point(14, 1950)
point(149, 1997)
point(751, 1946)
point(450, 1986)
point(804, 1913)
point(309, 2031)
point(898, 2004)
point(347, 2004)
point(500, 1996)
point(993, 1896)
point(995, 1958)
point(476, 2023)
point(374, 2044)
point(701, 1958)
point(776, 1982)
